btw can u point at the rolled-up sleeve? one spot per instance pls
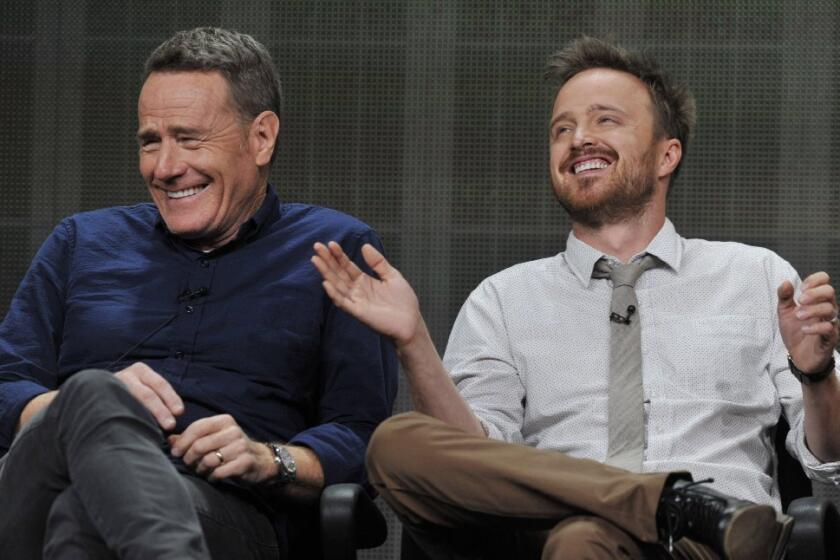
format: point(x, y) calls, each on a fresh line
point(30, 335)
point(790, 391)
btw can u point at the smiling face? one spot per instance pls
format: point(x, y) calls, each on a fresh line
point(606, 156)
point(202, 165)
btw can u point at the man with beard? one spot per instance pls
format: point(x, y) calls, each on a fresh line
point(539, 355)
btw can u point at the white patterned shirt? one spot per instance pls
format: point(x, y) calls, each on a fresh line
point(529, 352)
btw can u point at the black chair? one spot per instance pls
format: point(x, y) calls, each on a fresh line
point(816, 530)
point(349, 521)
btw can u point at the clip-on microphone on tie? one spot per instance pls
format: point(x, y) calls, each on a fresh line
point(616, 318)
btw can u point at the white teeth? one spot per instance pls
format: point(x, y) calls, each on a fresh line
point(185, 193)
point(590, 164)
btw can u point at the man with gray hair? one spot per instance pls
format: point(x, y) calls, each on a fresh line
point(173, 380)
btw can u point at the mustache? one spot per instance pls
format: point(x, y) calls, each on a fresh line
point(575, 153)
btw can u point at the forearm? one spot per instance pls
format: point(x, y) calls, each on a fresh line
point(432, 390)
point(822, 418)
point(33, 406)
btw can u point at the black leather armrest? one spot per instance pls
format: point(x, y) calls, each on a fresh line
point(816, 530)
point(349, 521)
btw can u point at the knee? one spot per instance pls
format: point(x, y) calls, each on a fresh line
point(89, 382)
point(96, 395)
point(397, 445)
point(589, 538)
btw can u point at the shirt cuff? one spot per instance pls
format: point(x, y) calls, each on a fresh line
point(340, 450)
point(828, 473)
point(13, 398)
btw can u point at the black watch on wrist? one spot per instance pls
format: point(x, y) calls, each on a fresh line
point(286, 467)
point(811, 378)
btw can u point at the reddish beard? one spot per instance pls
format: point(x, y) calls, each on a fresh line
point(629, 190)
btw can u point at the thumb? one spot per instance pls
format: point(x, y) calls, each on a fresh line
point(785, 293)
point(377, 262)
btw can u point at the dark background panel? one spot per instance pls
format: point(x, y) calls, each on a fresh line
point(428, 120)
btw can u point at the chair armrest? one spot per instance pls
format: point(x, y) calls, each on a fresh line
point(816, 530)
point(349, 521)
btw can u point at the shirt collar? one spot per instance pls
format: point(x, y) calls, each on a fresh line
point(666, 246)
point(267, 213)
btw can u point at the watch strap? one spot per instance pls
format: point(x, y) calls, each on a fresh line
point(286, 466)
point(810, 378)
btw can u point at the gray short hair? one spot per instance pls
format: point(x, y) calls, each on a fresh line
point(243, 61)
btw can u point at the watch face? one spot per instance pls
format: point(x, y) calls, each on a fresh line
point(286, 464)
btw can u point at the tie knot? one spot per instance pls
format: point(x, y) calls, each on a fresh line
point(624, 274)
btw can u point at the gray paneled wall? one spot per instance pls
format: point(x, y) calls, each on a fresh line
point(428, 120)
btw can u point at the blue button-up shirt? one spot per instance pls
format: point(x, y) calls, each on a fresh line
point(245, 330)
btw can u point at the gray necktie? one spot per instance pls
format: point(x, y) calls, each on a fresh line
point(626, 395)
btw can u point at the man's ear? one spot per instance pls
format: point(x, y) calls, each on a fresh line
point(263, 136)
point(669, 158)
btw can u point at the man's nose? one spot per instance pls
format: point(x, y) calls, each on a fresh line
point(169, 164)
point(582, 137)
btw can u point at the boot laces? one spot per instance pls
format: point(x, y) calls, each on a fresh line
point(686, 512)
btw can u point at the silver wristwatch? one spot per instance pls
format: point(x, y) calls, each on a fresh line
point(286, 467)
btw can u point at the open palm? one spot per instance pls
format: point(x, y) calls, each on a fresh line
point(387, 304)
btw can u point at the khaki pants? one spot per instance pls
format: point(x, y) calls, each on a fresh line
point(485, 498)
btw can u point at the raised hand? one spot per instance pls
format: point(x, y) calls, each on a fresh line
point(809, 329)
point(155, 392)
point(387, 304)
point(217, 448)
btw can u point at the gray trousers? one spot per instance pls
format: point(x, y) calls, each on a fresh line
point(87, 478)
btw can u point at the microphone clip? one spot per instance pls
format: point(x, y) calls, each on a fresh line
point(190, 295)
point(622, 319)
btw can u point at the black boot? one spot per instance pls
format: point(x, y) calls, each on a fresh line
point(735, 529)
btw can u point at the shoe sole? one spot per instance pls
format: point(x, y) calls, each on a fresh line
point(755, 533)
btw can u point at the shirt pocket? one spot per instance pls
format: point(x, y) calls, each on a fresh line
point(719, 358)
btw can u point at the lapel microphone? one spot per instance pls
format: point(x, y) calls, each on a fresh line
point(621, 319)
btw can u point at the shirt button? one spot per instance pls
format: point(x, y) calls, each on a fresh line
point(203, 262)
point(179, 355)
point(188, 309)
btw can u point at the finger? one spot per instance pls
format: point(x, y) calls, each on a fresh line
point(815, 279)
point(209, 462)
point(164, 391)
point(150, 400)
point(377, 261)
point(322, 252)
point(823, 292)
point(236, 467)
point(333, 264)
point(198, 429)
point(825, 311)
point(215, 459)
point(234, 454)
point(339, 298)
point(198, 452)
point(822, 328)
point(785, 293)
point(347, 266)
point(328, 273)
